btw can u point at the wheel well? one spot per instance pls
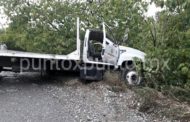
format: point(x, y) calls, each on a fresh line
point(127, 63)
point(130, 62)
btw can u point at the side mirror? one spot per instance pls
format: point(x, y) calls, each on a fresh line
point(126, 36)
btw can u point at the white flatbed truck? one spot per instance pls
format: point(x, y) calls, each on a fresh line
point(97, 54)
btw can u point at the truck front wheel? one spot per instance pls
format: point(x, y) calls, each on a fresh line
point(131, 74)
point(131, 77)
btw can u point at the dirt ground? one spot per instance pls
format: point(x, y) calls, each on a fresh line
point(28, 97)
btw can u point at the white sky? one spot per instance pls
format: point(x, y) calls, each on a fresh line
point(152, 10)
point(3, 19)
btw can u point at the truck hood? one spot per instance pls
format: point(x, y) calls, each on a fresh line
point(132, 52)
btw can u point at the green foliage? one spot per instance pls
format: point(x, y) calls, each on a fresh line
point(47, 26)
point(173, 44)
point(50, 26)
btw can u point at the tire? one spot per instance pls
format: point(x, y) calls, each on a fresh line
point(1, 68)
point(50, 72)
point(131, 77)
point(93, 74)
point(130, 74)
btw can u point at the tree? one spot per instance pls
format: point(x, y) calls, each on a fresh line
point(173, 44)
point(49, 26)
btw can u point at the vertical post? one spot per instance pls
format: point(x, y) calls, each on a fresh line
point(78, 36)
point(104, 30)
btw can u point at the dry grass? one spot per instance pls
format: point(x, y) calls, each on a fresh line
point(151, 101)
point(156, 104)
point(113, 79)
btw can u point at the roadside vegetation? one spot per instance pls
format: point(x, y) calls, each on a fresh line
point(48, 26)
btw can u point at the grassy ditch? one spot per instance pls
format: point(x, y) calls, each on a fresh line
point(153, 102)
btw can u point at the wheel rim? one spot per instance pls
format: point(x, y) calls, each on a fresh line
point(133, 78)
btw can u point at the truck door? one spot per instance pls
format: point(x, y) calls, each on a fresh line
point(110, 52)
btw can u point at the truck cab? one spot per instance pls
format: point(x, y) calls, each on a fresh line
point(100, 48)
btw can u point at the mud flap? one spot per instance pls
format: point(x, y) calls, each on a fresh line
point(87, 73)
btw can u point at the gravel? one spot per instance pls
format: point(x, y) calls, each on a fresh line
point(27, 98)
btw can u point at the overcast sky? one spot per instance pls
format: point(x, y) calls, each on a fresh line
point(152, 9)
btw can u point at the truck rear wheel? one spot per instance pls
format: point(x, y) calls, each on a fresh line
point(91, 73)
point(1, 68)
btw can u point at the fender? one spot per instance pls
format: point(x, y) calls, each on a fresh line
point(128, 54)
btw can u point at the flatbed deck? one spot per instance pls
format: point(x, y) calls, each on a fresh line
point(21, 54)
